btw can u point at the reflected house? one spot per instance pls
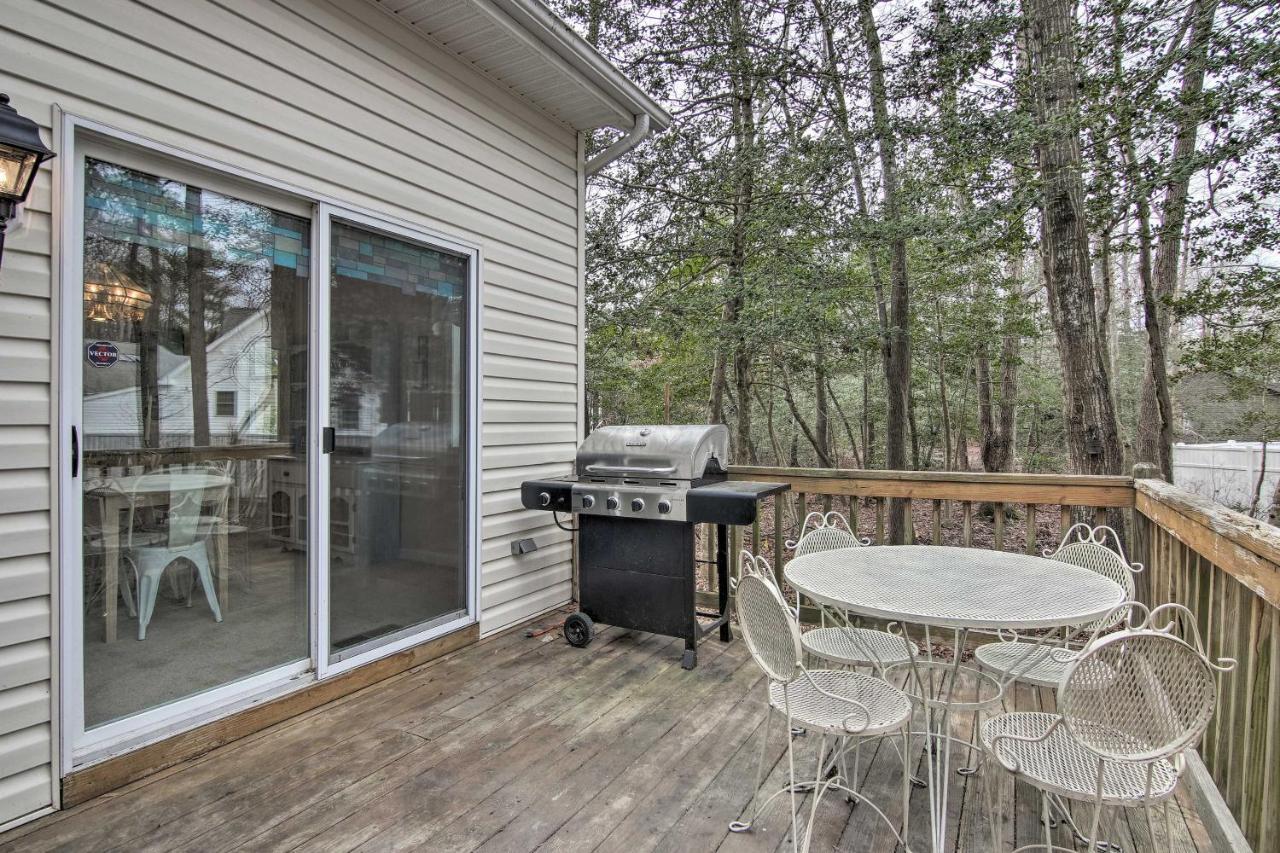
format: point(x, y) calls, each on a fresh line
point(240, 389)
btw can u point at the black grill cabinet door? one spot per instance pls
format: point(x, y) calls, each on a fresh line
point(637, 574)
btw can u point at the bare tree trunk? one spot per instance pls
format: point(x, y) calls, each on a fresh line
point(149, 350)
point(1155, 411)
point(848, 427)
point(998, 434)
point(767, 407)
point(868, 425)
point(1107, 287)
point(898, 369)
point(197, 338)
point(824, 459)
point(719, 377)
point(744, 143)
point(1273, 515)
point(942, 402)
point(822, 415)
point(1262, 476)
point(1092, 434)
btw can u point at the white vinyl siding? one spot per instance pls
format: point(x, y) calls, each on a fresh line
point(340, 100)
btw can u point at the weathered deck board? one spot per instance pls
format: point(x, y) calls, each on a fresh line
point(522, 744)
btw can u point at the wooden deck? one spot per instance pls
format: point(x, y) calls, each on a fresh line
point(522, 744)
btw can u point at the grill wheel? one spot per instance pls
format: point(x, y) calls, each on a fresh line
point(579, 629)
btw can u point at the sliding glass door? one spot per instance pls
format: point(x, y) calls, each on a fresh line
point(192, 359)
point(398, 427)
point(270, 406)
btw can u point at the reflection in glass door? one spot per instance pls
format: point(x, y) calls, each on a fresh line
point(194, 409)
point(398, 416)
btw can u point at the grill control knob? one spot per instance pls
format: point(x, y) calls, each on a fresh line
point(637, 505)
point(611, 503)
point(664, 506)
point(588, 502)
point(544, 498)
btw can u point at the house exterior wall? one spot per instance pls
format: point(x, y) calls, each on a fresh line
point(341, 101)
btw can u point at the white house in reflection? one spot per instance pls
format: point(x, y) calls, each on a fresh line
point(241, 384)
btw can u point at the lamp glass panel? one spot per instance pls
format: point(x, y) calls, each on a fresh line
point(16, 171)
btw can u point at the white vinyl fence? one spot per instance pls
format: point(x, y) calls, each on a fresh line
point(1227, 472)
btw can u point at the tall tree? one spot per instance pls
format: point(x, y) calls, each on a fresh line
point(898, 361)
point(1092, 431)
point(1155, 414)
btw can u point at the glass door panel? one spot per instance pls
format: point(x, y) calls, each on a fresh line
point(398, 410)
point(195, 400)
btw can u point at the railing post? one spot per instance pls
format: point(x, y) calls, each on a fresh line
point(1143, 539)
point(778, 535)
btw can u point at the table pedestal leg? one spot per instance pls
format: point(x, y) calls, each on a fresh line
point(936, 699)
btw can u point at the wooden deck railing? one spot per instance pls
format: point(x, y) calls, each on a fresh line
point(1222, 565)
point(1225, 567)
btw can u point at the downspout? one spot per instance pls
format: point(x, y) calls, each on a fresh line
point(634, 137)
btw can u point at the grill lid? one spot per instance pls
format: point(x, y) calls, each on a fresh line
point(680, 452)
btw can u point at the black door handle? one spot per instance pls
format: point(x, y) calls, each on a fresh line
point(75, 452)
point(326, 440)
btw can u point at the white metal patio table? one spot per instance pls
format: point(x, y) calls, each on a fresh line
point(957, 590)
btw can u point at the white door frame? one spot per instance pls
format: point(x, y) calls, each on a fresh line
point(78, 747)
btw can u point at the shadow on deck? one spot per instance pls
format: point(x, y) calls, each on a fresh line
point(522, 744)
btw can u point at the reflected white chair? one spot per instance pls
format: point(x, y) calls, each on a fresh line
point(1042, 662)
point(845, 645)
point(184, 537)
point(840, 705)
point(226, 521)
point(1129, 705)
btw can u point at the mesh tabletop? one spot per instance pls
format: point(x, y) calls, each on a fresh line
point(954, 587)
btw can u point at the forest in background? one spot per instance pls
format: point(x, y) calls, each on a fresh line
point(945, 234)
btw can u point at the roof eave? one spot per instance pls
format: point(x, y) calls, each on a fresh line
point(555, 35)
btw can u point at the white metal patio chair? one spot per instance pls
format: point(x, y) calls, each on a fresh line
point(1043, 662)
point(1129, 705)
point(184, 538)
point(839, 705)
point(844, 644)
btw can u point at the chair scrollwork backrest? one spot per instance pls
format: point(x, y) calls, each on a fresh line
point(1088, 548)
point(824, 532)
point(1142, 693)
point(769, 627)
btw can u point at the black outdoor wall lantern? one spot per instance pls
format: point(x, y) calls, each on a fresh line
point(21, 153)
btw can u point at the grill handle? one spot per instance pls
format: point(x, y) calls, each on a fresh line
point(625, 471)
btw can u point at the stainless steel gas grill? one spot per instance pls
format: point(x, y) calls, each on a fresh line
point(637, 494)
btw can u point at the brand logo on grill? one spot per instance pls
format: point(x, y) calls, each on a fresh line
point(641, 441)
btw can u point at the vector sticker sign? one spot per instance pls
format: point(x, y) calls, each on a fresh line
point(102, 353)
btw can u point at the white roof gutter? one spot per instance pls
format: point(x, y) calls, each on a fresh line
point(633, 138)
point(560, 38)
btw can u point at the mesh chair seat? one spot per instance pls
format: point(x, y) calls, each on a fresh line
point(811, 709)
point(1043, 667)
point(1062, 765)
point(858, 647)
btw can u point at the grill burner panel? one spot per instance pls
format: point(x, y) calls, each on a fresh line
point(637, 494)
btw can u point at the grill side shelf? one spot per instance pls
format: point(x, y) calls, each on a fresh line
point(559, 493)
point(729, 502)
